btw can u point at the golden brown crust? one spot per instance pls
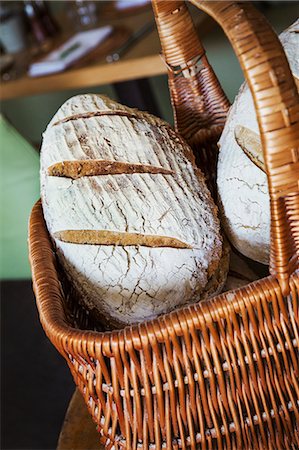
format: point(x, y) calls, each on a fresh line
point(105, 237)
point(86, 168)
point(250, 143)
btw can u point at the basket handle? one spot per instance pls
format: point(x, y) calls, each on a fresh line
point(276, 101)
point(199, 113)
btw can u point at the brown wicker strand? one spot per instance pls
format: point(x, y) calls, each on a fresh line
point(199, 104)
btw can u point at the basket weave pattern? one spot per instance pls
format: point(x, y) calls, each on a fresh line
point(223, 373)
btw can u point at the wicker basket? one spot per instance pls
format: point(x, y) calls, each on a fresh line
point(222, 373)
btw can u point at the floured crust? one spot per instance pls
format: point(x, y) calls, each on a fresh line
point(218, 282)
point(241, 181)
point(129, 283)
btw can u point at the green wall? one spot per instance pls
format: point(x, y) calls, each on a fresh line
point(19, 189)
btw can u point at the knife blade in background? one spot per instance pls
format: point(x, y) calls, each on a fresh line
point(115, 56)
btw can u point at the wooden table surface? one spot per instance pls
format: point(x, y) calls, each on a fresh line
point(141, 60)
point(78, 431)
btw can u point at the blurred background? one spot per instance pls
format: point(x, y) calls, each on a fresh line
point(50, 51)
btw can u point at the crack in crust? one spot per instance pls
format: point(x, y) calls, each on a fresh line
point(94, 167)
point(105, 237)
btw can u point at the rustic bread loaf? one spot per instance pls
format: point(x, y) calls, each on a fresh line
point(241, 178)
point(134, 225)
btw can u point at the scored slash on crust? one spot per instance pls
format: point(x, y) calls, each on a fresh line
point(91, 114)
point(105, 237)
point(250, 143)
point(82, 168)
point(94, 167)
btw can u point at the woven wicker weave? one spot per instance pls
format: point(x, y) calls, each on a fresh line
point(222, 374)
